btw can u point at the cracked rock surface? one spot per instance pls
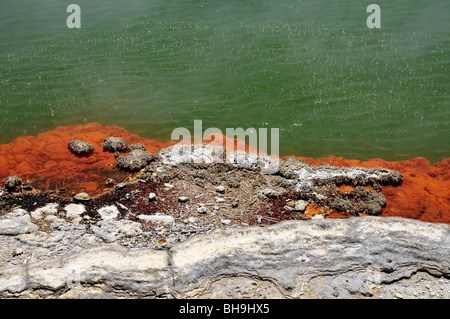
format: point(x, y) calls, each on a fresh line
point(361, 257)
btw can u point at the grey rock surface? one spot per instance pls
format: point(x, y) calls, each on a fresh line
point(16, 225)
point(365, 257)
point(108, 212)
point(112, 230)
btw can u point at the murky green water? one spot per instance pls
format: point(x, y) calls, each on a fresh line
point(311, 68)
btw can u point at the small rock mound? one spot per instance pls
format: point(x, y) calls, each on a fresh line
point(79, 147)
point(12, 182)
point(115, 144)
point(134, 161)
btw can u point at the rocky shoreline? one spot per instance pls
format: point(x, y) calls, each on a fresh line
point(184, 191)
point(360, 257)
point(46, 163)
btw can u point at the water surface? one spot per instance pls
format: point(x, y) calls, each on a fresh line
point(311, 68)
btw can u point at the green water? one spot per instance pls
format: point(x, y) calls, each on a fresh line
point(310, 68)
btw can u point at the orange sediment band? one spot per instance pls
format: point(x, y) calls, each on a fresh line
point(46, 161)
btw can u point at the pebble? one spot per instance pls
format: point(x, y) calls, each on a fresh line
point(201, 210)
point(220, 189)
point(220, 200)
point(399, 295)
point(183, 199)
point(108, 212)
point(192, 220)
point(162, 242)
point(152, 197)
point(225, 221)
point(81, 197)
point(74, 211)
point(300, 205)
point(168, 186)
